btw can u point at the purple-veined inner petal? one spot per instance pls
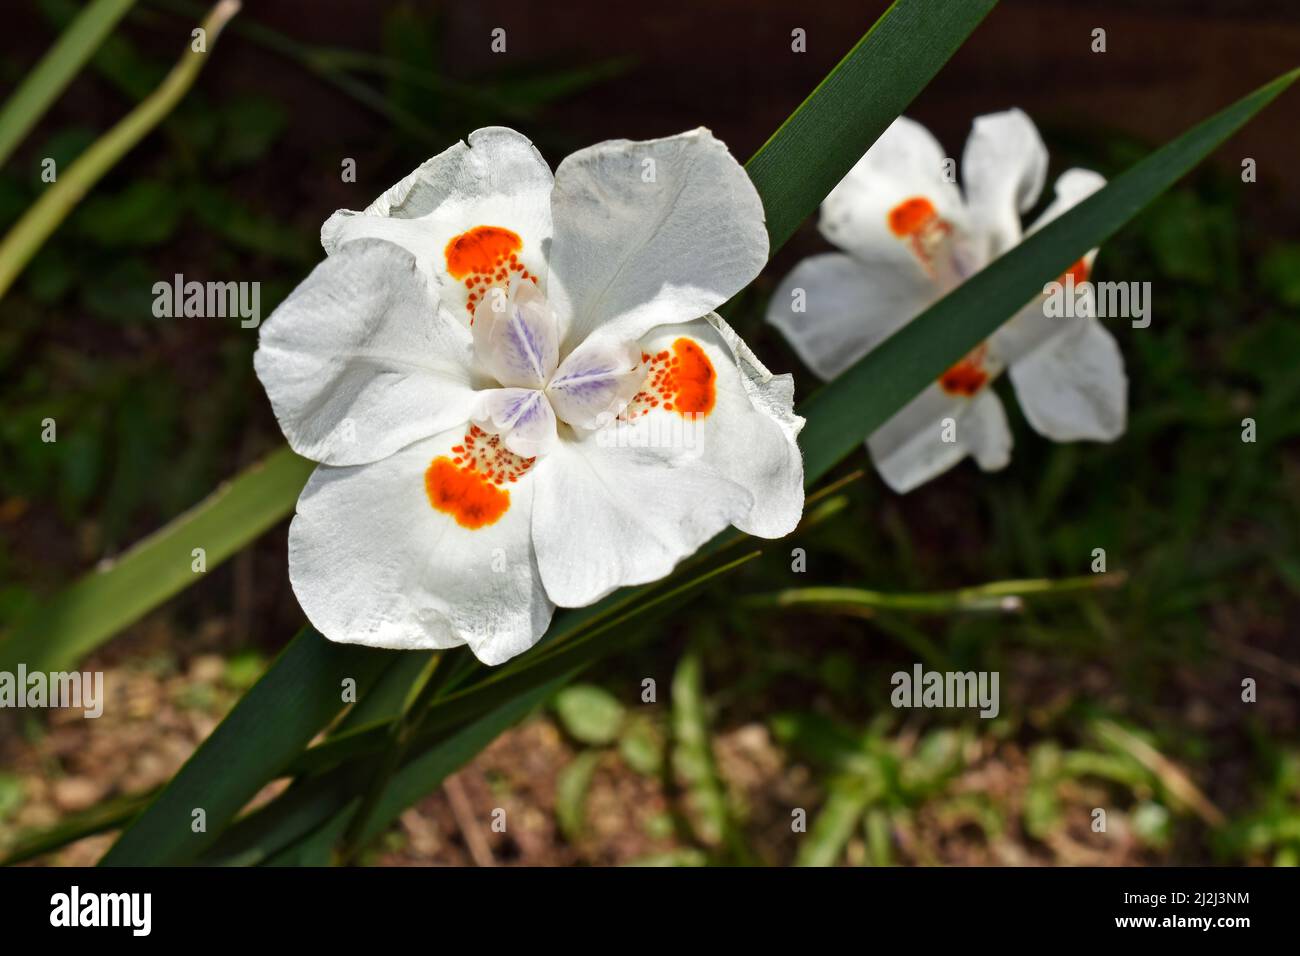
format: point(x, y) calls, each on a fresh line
point(522, 417)
point(515, 335)
point(594, 384)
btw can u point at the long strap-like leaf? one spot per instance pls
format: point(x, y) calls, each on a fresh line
point(865, 92)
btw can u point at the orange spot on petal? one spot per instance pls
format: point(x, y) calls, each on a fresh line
point(966, 377)
point(911, 216)
point(479, 250)
point(696, 380)
point(1079, 271)
point(464, 494)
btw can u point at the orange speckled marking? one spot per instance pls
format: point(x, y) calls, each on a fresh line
point(682, 380)
point(968, 376)
point(468, 485)
point(483, 257)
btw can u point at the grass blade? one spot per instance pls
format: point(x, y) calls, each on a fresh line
point(50, 77)
point(1003, 596)
point(874, 83)
point(105, 816)
point(39, 222)
point(846, 801)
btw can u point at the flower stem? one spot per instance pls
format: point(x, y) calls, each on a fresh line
point(1008, 596)
point(45, 215)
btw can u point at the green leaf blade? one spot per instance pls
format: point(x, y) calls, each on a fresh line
point(872, 85)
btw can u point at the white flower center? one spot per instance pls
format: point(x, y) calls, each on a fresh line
point(517, 343)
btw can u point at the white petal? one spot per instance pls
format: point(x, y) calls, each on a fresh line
point(516, 339)
point(1072, 187)
point(373, 562)
point(909, 449)
point(358, 361)
point(1003, 169)
point(765, 461)
point(905, 167)
point(648, 233)
point(497, 181)
point(605, 518)
point(849, 307)
point(984, 430)
point(521, 416)
point(622, 505)
point(1074, 387)
point(1031, 328)
point(595, 383)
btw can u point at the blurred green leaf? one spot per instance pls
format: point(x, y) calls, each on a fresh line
point(1279, 271)
point(878, 830)
point(67, 144)
point(145, 213)
point(571, 788)
point(243, 670)
point(823, 741)
point(248, 127)
point(1180, 230)
point(1153, 824)
point(122, 292)
point(694, 763)
point(50, 276)
point(642, 747)
point(687, 856)
point(256, 232)
point(936, 758)
point(12, 794)
point(590, 714)
point(846, 801)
